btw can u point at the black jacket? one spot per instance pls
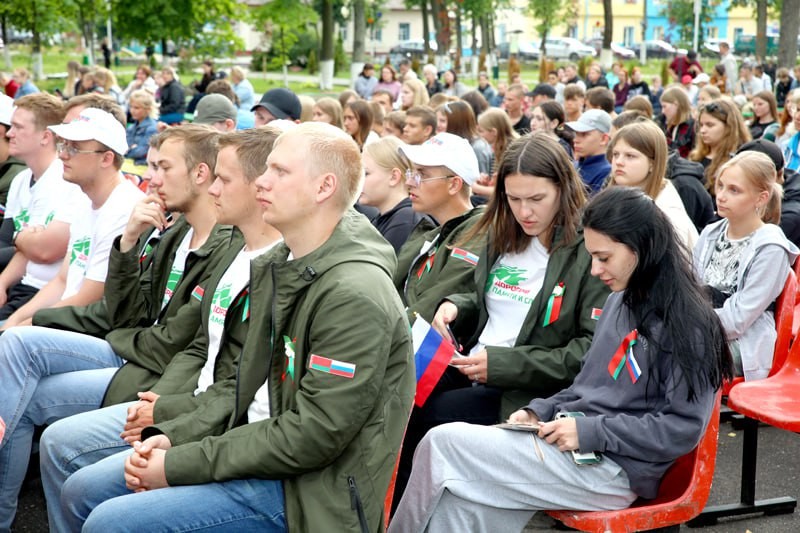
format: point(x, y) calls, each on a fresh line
point(687, 176)
point(790, 207)
point(172, 98)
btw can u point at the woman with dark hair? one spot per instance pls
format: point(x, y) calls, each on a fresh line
point(459, 120)
point(357, 118)
point(765, 116)
point(549, 116)
point(366, 81)
point(209, 75)
point(744, 259)
point(453, 87)
point(642, 399)
point(477, 101)
point(533, 310)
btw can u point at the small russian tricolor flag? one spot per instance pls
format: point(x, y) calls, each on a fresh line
point(432, 354)
point(465, 255)
point(332, 366)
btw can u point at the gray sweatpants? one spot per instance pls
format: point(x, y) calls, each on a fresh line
point(477, 478)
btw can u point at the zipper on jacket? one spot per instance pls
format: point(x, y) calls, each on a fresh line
point(355, 504)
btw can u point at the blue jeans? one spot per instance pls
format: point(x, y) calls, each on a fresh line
point(95, 499)
point(73, 443)
point(45, 375)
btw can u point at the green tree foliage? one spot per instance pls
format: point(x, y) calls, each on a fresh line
point(284, 20)
point(680, 14)
point(206, 25)
point(547, 13)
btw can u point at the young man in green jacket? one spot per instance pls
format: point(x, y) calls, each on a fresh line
point(59, 373)
point(202, 376)
point(324, 386)
point(433, 262)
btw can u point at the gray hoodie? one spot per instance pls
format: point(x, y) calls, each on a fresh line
point(763, 268)
point(645, 425)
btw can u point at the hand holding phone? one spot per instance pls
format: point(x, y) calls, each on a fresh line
point(581, 459)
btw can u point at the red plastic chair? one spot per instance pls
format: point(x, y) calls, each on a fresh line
point(785, 311)
point(387, 502)
point(681, 496)
point(796, 320)
point(774, 401)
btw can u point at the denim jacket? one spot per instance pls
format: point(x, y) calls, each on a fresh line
point(138, 135)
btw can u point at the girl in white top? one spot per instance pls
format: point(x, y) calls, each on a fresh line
point(744, 259)
point(638, 155)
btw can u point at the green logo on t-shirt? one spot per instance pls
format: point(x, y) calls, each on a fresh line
point(80, 251)
point(220, 303)
point(172, 282)
point(22, 220)
point(509, 274)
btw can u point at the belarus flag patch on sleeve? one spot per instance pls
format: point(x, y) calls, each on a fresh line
point(332, 366)
point(465, 255)
point(198, 292)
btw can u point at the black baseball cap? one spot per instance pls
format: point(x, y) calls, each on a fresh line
point(543, 89)
point(281, 103)
point(770, 149)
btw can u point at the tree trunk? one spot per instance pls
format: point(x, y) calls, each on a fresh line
point(790, 24)
point(326, 63)
point(761, 29)
point(459, 39)
point(608, 33)
point(164, 56)
point(359, 39)
point(426, 28)
point(6, 49)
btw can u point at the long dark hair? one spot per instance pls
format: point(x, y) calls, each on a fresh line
point(538, 154)
point(662, 288)
point(555, 111)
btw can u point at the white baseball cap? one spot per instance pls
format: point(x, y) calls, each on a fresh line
point(701, 78)
point(592, 119)
point(6, 109)
point(446, 150)
point(95, 125)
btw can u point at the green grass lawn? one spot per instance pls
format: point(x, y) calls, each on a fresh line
point(55, 63)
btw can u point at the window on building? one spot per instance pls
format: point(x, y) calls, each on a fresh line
point(713, 32)
point(627, 35)
point(658, 32)
point(403, 31)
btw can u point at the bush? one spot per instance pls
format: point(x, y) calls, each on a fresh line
point(339, 57)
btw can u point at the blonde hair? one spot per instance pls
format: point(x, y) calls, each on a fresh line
point(420, 93)
point(330, 150)
point(237, 74)
point(307, 104)
point(760, 172)
point(497, 119)
point(385, 153)
point(332, 108)
point(648, 139)
point(146, 100)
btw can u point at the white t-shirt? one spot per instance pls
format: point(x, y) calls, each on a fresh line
point(92, 234)
point(38, 204)
point(178, 266)
point(235, 278)
point(514, 282)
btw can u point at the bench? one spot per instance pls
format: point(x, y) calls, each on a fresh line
point(774, 401)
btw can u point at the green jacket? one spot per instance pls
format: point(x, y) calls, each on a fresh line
point(131, 305)
point(545, 359)
point(426, 273)
point(180, 414)
point(332, 439)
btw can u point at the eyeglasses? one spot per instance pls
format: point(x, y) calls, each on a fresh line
point(71, 151)
point(416, 177)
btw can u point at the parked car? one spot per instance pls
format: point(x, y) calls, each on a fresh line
point(619, 51)
point(412, 47)
point(568, 48)
point(657, 49)
point(527, 51)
